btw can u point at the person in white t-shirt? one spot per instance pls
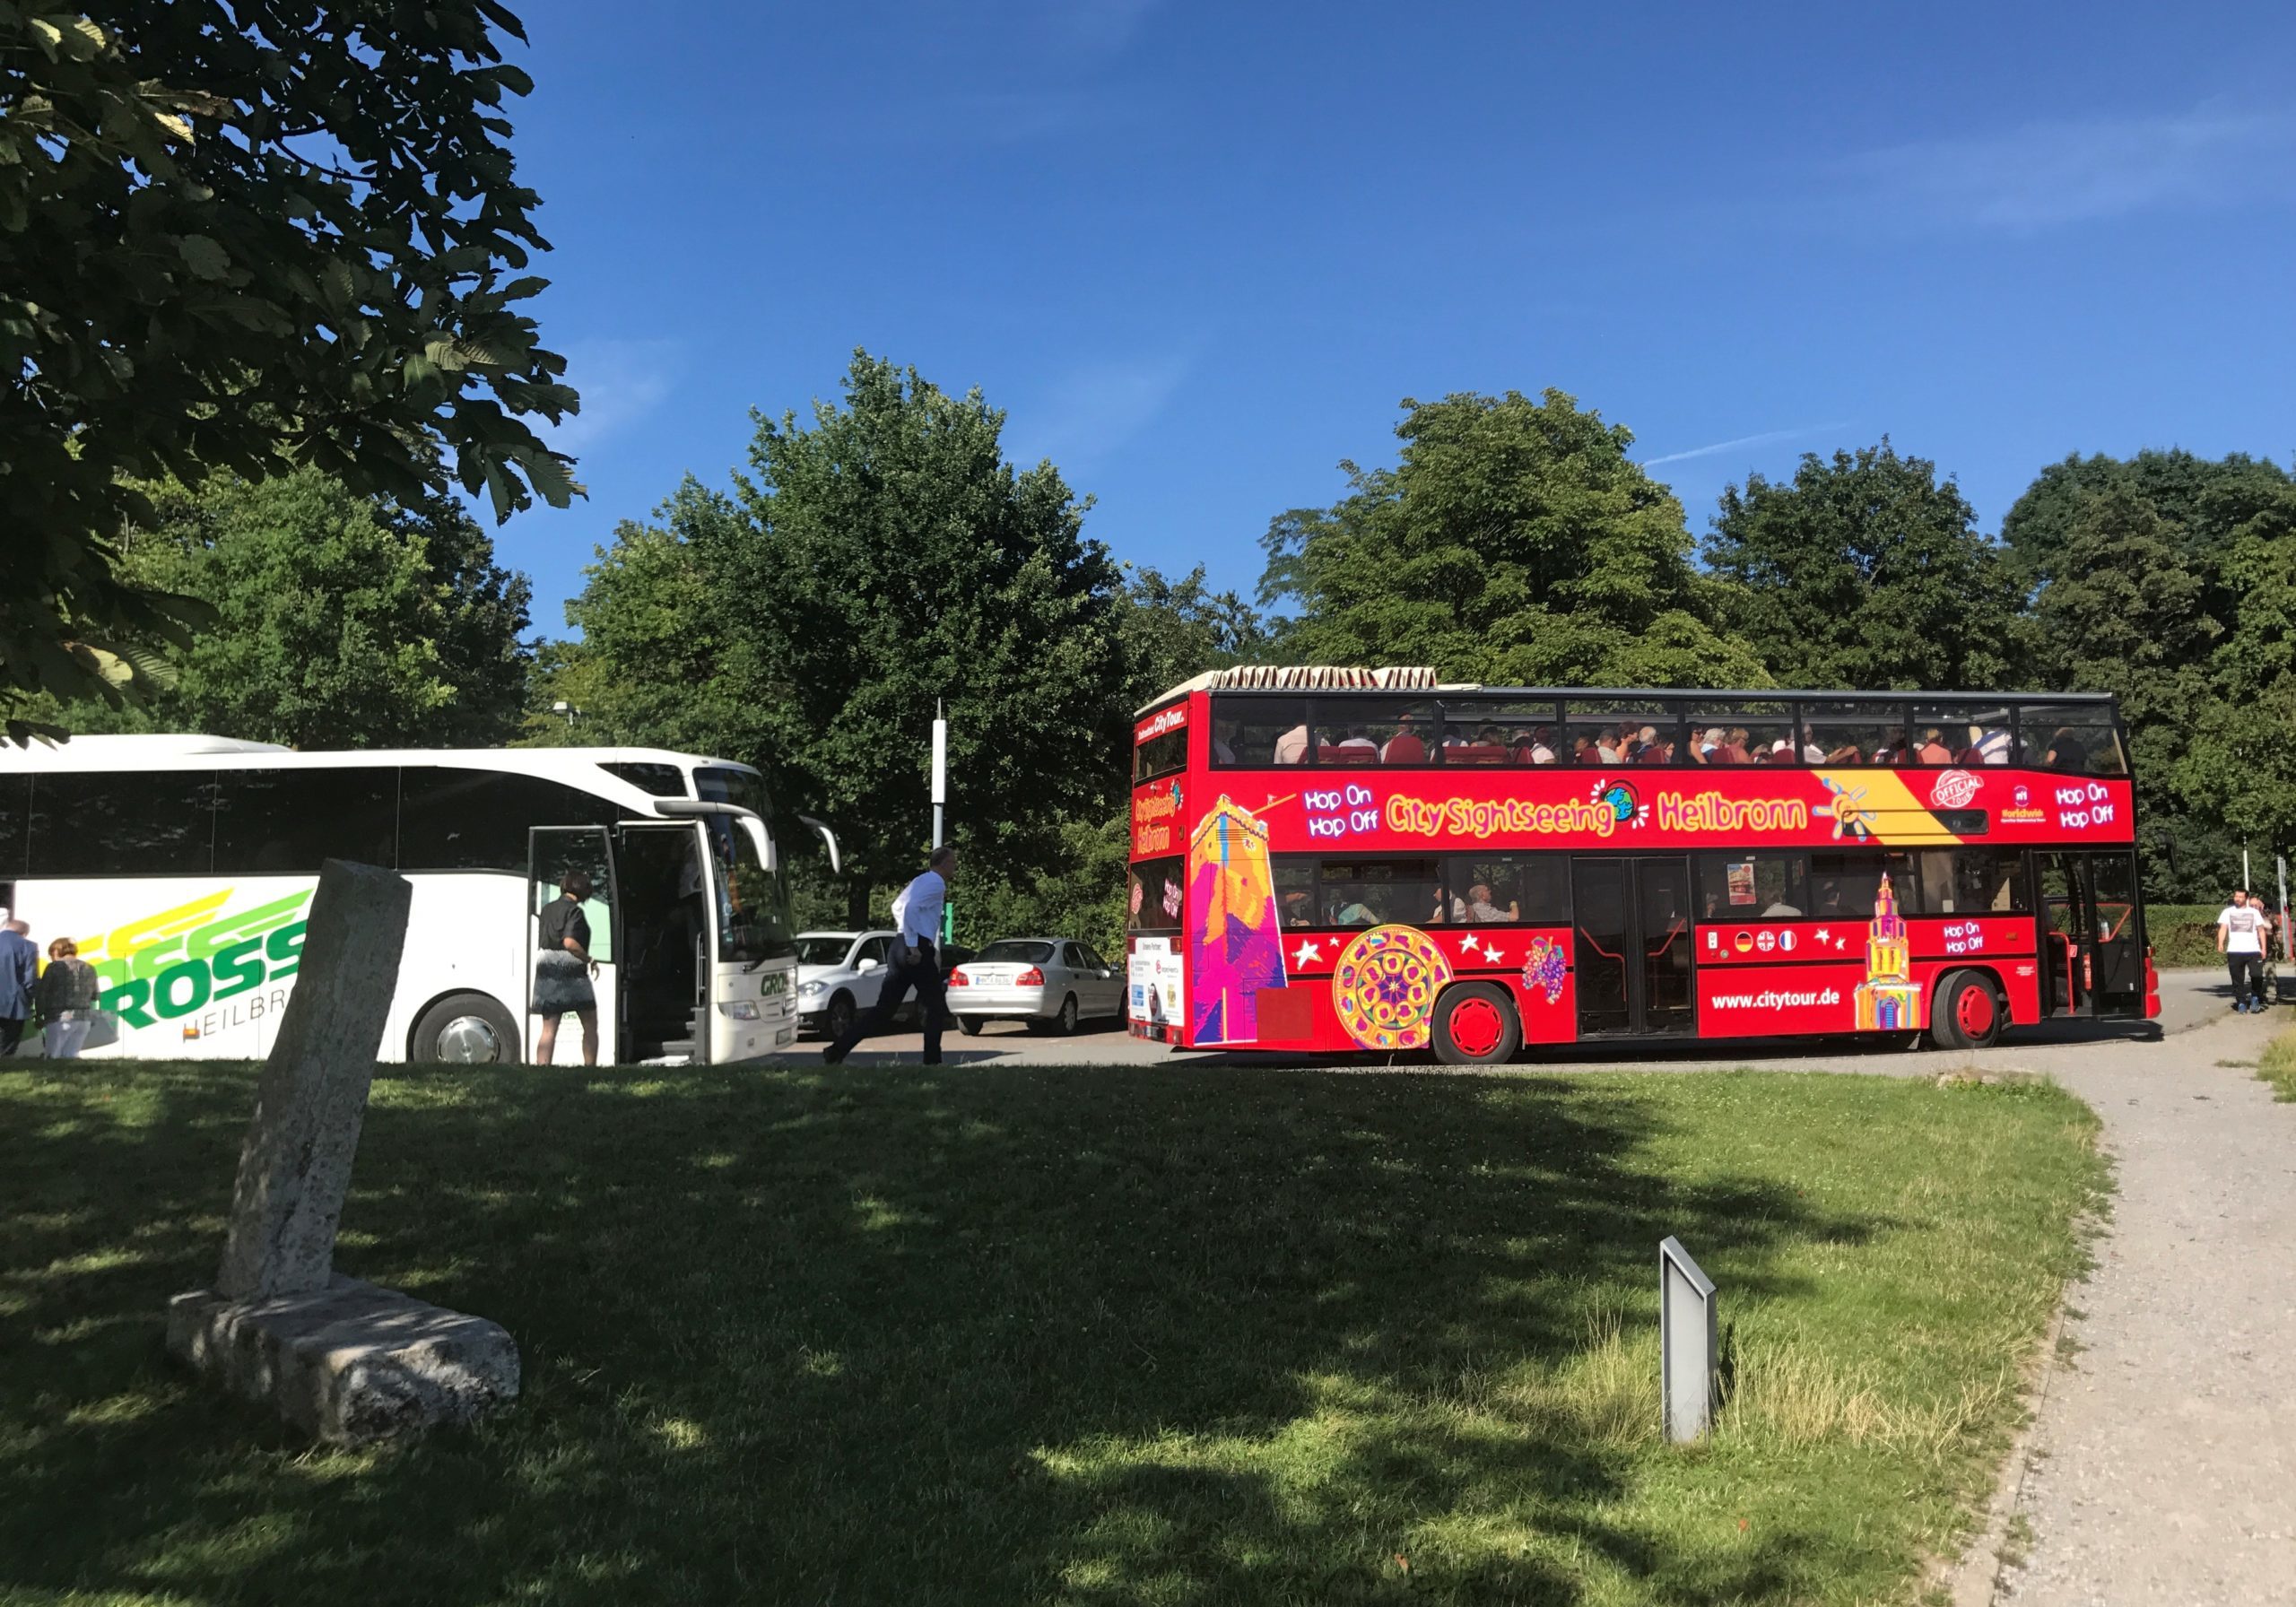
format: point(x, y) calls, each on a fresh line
point(2240, 929)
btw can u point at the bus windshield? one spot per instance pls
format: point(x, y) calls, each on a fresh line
point(754, 920)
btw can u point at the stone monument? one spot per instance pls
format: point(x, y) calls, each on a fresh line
point(343, 1360)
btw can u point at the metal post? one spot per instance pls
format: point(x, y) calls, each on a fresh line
point(940, 803)
point(1688, 1344)
point(2287, 941)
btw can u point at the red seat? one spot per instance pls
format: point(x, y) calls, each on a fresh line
point(1330, 755)
point(1475, 753)
point(1405, 749)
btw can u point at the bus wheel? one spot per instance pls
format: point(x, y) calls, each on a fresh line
point(1475, 1025)
point(1967, 1014)
point(465, 1029)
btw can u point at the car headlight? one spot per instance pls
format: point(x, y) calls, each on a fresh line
point(809, 990)
point(741, 1010)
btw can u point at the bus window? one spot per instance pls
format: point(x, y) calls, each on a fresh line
point(1973, 882)
point(456, 820)
point(1844, 886)
point(1742, 733)
point(1860, 733)
point(1261, 730)
point(1752, 886)
point(295, 819)
point(2078, 737)
point(1374, 892)
point(1532, 889)
point(1375, 731)
point(1154, 903)
point(16, 823)
point(1160, 755)
point(1960, 732)
point(1295, 889)
point(122, 823)
point(1608, 732)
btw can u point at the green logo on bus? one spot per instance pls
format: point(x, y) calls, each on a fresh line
point(197, 955)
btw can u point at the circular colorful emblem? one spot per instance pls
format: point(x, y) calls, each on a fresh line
point(1384, 986)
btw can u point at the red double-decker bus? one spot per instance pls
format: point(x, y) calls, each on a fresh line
point(1363, 861)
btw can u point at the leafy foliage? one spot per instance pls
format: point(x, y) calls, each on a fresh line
point(339, 620)
point(1866, 571)
point(1513, 542)
point(2241, 763)
point(248, 238)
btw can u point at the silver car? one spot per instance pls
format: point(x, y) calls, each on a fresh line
point(1050, 982)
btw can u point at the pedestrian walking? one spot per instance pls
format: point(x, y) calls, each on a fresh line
point(19, 975)
point(563, 969)
point(916, 962)
point(66, 996)
point(2240, 927)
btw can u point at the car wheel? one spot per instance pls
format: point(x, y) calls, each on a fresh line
point(1065, 1023)
point(465, 1029)
point(970, 1025)
point(1967, 1014)
point(839, 1020)
point(1476, 1024)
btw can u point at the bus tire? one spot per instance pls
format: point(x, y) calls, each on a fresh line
point(1476, 1024)
point(1967, 1011)
point(465, 1029)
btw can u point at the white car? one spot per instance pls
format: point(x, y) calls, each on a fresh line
point(840, 974)
point(1050, 982)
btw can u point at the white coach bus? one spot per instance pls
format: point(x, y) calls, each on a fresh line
point(183, 867)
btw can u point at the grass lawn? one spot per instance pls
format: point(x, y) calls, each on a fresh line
point(2277, 1066)
point(1001, 1335)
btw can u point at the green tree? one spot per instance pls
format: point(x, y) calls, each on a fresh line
point(1171, 630)
point(2241, 764)
point(1514, 542)
point(1866, 571)
point(247, 237)
point(2198, 501)
point(2133, 592)
point(882, 558)
point(339, 620)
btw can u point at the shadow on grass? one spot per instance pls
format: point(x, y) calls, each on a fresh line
point(1123, 1335)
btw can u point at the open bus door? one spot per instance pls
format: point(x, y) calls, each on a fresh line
point(2091, 940)
point(552, 853)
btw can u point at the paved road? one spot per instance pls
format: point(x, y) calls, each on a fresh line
point(2161, 1466)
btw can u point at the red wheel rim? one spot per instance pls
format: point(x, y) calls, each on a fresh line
point(1973, 1012)
point(1476, 1025)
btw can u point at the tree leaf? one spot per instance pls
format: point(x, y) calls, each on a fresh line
point(204, 256)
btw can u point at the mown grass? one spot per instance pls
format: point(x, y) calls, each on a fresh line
point(1165, 1335)
point(2277, 1066)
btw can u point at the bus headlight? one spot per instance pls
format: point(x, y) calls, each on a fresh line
point(741, 1010)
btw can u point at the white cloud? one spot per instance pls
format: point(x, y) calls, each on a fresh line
point(1094, 410)
point(1763, 439)
point(2048, 173)
point(621, 383)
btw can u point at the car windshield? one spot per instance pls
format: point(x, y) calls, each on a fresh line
point(822, 951)
point(1015, 949)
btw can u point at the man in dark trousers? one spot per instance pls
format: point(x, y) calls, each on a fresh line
point(19, 969)
point(916, 962)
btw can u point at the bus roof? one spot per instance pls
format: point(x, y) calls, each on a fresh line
point(1389, 679)
point(195, 750)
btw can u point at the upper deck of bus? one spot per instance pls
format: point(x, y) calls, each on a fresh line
point(1346, 759)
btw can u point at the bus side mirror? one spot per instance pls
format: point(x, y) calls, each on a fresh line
point(828, 837)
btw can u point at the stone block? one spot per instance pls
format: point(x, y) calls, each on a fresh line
point(295, 1163)
point(351, 1363)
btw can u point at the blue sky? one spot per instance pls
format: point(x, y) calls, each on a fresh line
point(1198, 252)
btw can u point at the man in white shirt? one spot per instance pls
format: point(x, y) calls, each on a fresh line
point(916, 962)
point(2240, 927)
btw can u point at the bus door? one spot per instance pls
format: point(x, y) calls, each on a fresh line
point(2092, 948)
point(554, 854)
point(1631, 945)
point(665, 927)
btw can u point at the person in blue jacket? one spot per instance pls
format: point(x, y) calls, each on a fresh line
point(19, 969)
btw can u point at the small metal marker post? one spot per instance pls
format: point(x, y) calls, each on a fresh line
point(1687, 1344)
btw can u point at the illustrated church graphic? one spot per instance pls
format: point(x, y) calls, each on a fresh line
point(1888, 998)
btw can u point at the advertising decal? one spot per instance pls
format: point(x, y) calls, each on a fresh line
point(1235, 949)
